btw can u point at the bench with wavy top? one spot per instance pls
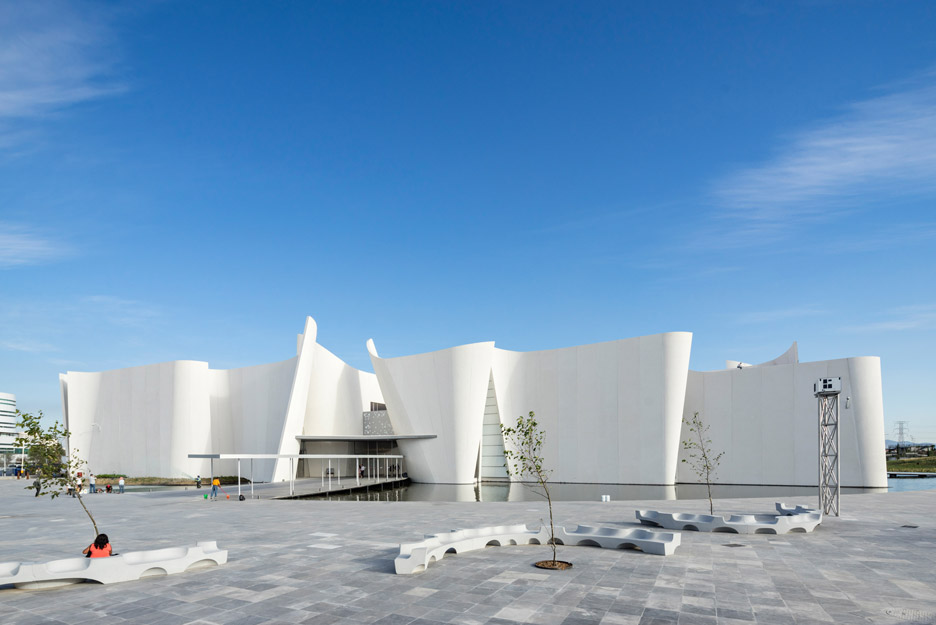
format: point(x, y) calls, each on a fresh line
point(126, 567)
point(798, 519)
point(415, 557)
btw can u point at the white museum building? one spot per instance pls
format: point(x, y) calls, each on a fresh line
point(612, 412)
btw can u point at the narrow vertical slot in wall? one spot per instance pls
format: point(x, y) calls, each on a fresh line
point(492, 441)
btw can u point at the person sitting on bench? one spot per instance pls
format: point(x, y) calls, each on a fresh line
point(100, 548)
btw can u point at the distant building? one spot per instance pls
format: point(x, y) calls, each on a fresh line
point(8, 432)
point(612, 413)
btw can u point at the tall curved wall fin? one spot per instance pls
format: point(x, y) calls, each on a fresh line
point(492, 440)
point(298, 399)
point(441, 394)
point(677, 347)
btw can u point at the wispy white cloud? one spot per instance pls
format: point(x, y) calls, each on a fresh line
point(52, 55)
point(771, 316)
point(900, 235)
point(26, 345)
point(882, 145)
point(20, 245)
point(922, 317)
point(117, 310)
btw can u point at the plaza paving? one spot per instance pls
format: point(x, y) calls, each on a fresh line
point(326, 562)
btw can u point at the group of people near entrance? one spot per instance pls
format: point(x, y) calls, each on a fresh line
point(78, 486)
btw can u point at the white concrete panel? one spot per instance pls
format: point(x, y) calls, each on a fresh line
point(805, 432)
point(191, 414)
point(630, 425)
point(140, 420)
point(586, 399)
point(714, 406)
point(650, 398)
point(596, 409)
point(298, 400)
point(866, 415)
point(677, 347)
point(746, 424)
point(769, 417)
point(776, 445)
point(248, 408)
point(440, 393)
point(338, 396)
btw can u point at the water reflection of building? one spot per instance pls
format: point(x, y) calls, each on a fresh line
point(612, 413)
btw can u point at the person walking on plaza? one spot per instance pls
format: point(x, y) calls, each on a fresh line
point(91, 484)
point(120, 485)
point(215, 483)
point(38, 486)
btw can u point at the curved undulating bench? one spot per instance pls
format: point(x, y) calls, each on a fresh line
point(798, 519)
point(415, 557)
point(786, 510)
point(125, 567)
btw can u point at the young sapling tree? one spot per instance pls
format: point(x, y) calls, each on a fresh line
point(703, 460)
point(523, 458)
point(56, 470)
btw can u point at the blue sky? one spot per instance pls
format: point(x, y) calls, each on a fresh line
point(190, 180)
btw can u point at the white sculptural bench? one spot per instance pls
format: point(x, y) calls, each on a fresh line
point(415, 557)
point(798, 519)
point(125, 567)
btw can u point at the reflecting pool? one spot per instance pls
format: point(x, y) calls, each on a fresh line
point(618, 492)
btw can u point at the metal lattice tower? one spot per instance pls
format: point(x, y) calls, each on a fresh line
point(903, 432)
point(827, 392)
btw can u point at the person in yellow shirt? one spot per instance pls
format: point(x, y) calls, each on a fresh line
point(215, 483)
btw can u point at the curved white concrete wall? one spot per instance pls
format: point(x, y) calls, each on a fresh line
point(611, 411)
point(765, 419)
point(145, 421)
point(247, 408)
point(141, 420)
point(296, 403)
point(440, 393)
point(865, 415)
point(338, 396)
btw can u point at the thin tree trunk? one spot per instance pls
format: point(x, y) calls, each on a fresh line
point(96, 532)
point(708, 470)
point(552, 527)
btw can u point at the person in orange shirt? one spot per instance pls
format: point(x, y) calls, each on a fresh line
point(215, 484)
point(100, 548)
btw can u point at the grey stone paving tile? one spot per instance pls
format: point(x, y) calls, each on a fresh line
point(415, 611)
point(469, 619)
point(658, 614)
point(613, 618)
point(629, 608)
point(483, 609)
point(728, 613)
point(698, 610)
point(696, 619)
point(322, 619)
point(395, 619)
